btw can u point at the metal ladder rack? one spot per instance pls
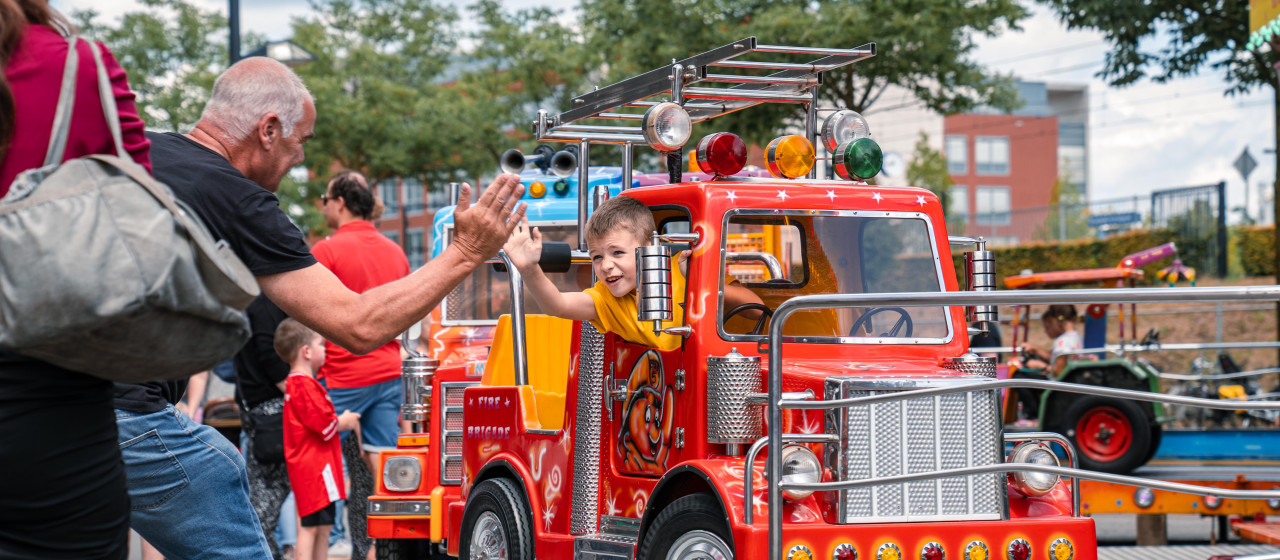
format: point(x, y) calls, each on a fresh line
point(791, 83)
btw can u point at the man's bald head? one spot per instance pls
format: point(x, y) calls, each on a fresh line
point(251, 89)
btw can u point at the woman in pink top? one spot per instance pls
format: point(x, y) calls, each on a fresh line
point(64, 493)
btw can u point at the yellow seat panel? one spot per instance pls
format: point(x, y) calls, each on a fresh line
point(547, 340)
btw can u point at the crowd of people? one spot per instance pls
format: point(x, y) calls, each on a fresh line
point(97, 458)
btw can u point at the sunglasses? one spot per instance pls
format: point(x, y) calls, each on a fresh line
point(325, 198)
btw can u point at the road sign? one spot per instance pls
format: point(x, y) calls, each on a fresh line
point(1099, 220)
point(1245, 164)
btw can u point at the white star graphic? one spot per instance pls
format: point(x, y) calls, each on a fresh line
point(876, 197)
point(508, 403)
point(920, 199)
point(471, 402)
point(539, 206)
point(783, 195)
point(548, 515)
point(733, 197)
point(831, 195)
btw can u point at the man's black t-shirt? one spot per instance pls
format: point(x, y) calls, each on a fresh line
point(236, 210)
point(258, 367)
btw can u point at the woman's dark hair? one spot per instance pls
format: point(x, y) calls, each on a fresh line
point(15, 16)
point(354, 191)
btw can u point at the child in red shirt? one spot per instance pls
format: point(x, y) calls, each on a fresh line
point(311, 450)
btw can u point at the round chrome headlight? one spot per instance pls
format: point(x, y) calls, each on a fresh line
point(402, 474)
point(1033, 483)
point(842, 127)
point(799, 464)
point(666, 127)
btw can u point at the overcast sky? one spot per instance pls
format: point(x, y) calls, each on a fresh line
point(1141, 138)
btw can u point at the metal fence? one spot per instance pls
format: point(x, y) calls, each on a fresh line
point(1195, 214)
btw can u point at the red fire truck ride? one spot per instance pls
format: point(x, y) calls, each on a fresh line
point(847, 421)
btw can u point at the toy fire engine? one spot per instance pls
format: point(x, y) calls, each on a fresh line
point(841, 419)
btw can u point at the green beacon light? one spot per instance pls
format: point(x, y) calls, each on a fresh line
point(858, 160)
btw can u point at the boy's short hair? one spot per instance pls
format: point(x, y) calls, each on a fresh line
point(621, 212)
point(290, 337)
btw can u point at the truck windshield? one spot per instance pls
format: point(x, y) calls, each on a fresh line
point(486, 294)
point(780, 256)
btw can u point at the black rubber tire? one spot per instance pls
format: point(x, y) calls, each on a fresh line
point(504, 499)
point(1157, 435)
point(403, 549)
point(1139, 426)
point(691, 513)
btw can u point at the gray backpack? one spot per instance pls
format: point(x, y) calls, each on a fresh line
point(102, 271)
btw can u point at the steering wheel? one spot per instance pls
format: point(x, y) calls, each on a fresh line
point(765, 314)
point(865, 320)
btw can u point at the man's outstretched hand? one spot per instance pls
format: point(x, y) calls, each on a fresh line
point(482, 228)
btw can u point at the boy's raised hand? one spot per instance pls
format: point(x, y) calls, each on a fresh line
point(524, 247)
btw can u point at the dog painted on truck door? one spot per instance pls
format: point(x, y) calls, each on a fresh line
point(644, 438)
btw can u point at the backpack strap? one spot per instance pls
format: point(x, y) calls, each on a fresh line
point(66, 101)
point(108, 102)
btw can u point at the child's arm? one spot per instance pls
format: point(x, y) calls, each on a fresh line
point(736, 294)
point(524, 248)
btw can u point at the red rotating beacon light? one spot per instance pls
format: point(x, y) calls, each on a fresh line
point(721, 154)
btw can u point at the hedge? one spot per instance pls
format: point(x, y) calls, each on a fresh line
point(1072, 255)
point(1257, 250)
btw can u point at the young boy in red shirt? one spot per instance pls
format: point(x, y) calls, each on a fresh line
point(311, 450)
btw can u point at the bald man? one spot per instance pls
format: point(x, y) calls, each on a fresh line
point(187, 483)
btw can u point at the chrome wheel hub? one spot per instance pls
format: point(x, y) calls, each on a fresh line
point(699, 545)
point(488, 539)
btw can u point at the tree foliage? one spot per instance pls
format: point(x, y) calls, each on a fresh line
point(1068, 214)
point(1199, 33)
point(172, 51)
point(928, 169)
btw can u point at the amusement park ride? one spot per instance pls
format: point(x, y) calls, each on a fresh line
point(848, 422)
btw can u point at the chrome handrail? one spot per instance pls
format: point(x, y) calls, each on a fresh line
point(1224, 493)
point(1122, 349)
point(1216, 376)
point(1060, 386)
point(903, 299)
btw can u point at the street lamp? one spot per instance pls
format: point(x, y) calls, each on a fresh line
point(287, 52)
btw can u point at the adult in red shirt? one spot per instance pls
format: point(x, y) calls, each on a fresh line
point(65, 493)
point(363, 259)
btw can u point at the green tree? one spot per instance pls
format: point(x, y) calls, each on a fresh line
point(1068, 218)
point(1164, 40)
point(924, 46)
point(172, 51)
point(928, 169)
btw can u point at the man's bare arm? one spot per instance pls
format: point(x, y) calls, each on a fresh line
point(363, 322)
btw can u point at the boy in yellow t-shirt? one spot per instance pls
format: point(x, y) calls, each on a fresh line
point(614, 232)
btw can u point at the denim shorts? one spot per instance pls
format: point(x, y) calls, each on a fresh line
point(379, 408)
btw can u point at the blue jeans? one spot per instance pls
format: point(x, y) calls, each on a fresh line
point(188, 488)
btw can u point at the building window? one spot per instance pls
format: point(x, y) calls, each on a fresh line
point(991, 153)
point(413, 247)
point(957, 152)
point(958, 202)
point(412, 196)
point(394, 236)
point(387, 189)
point(992, 206)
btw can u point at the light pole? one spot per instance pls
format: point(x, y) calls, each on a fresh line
point(287, 52)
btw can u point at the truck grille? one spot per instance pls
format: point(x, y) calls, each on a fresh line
point(451, 431)
point(914, 436)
